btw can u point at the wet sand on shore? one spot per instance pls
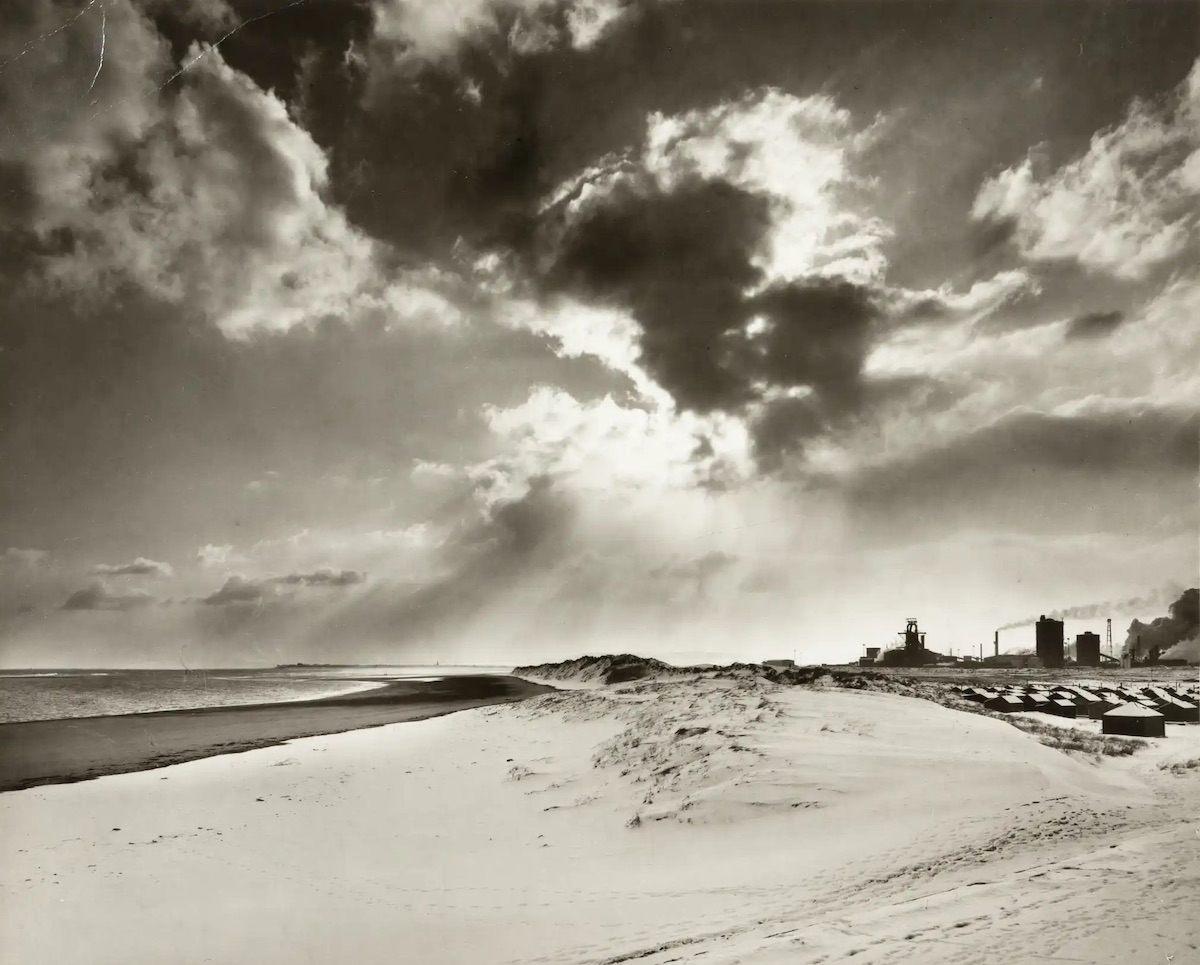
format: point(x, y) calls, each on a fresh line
point(41, 752)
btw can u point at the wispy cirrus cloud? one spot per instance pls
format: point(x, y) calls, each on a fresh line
point(1125, 207)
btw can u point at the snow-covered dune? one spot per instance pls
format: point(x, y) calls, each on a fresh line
point(705, 818)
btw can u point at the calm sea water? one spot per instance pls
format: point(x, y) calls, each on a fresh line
point(55, 694)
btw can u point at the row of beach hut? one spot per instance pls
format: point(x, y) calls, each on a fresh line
point(1138, 712)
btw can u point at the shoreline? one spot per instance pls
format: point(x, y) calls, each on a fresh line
point(72, 749)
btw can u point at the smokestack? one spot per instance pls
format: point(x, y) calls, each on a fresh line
point(996, 642)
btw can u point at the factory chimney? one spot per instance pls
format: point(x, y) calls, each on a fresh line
point(996, 643)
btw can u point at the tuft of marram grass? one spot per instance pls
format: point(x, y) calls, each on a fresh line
point(1181, 767)
point(1079, 742)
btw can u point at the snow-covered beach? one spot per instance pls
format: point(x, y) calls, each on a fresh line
point(702, 818)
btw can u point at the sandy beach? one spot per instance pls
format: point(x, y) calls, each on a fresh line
point(706, 819)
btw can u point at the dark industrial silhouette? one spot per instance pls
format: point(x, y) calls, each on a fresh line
point(1087, 649)
point(913, 653)
point(1050, 642)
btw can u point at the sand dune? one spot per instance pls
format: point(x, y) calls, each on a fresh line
point(709, 819)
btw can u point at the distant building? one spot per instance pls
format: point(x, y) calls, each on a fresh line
point(1050, 642)
point(1087, 649)
point(913, 653)
point(780, 664)
point(1023, 661)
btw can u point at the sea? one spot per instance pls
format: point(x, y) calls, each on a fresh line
point(69, 693)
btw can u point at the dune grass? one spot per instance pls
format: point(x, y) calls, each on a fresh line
point(1081, 742)
point(1180, 768)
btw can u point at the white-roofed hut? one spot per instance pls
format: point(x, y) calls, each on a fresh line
point(1133, 720)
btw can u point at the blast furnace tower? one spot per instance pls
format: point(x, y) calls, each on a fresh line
point(914, 639)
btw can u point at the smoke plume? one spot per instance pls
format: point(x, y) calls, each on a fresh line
point(1176, 636)
point(1098, 611)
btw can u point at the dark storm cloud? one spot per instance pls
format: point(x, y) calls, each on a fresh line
point(139, 567)
point(681, 262)
point(818, 336)
point(303, 52)
point(473, 167)
point(97, 596)
point(211, 19)
point(1094, 324)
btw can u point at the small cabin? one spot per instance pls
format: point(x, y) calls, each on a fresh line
point(1133, 720)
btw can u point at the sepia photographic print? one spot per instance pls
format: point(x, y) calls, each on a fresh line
point(586, 482)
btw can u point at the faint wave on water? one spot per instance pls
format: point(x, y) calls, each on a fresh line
point(43, 694)
point(56, 694)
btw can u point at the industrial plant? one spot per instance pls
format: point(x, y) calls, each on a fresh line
point(913, 652)
point(1165, 645)
point(1141, 711)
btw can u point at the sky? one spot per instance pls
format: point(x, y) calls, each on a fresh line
point(500, 331)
